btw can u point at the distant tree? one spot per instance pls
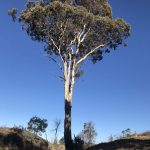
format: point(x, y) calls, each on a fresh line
point(12, 12)
point(126, 133)
point(110, 138)
point(37, 125)
point(62, 141)
point(88, 133)
point(57, 125)
point(73, 31)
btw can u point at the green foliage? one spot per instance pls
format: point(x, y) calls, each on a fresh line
point(97, 7)
point(12, 12)
point(61, 21)
point(37, 125)
point(79, 74)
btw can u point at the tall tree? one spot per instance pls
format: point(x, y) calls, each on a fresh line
point(73, 30)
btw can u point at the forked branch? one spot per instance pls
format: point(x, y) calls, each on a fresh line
point(90, 52)
point(58, 48)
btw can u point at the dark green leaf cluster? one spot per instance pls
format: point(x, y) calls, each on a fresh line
point(60, 21)
point(79, 74)
point(12, 12)
point(37, 125)
point(97, 7)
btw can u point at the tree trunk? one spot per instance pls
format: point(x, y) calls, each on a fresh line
point(67, 126)
point(69, 85)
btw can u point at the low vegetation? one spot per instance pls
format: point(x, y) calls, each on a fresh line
point(123, 144)
point(126, 141)
point(20, 138)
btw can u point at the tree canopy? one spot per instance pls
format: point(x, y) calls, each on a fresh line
point(37, 125)
point(83, 29)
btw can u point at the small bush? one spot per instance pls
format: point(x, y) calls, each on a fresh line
point(78, 143)
point(19, 129)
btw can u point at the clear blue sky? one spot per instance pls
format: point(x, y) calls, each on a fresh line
point(114, 94)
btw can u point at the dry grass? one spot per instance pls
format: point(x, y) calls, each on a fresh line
point(142, 136)
point(56, 147)
point(20, 139)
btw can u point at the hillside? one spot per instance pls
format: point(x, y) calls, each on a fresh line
point(142, 136)
point(134, 142)
point(18, 139)
point(123, 144)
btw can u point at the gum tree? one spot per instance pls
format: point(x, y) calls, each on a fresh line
point(73, 31)
point(37, 125)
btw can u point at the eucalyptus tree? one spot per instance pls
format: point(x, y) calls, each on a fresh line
point(73, 31)
point(37, 125)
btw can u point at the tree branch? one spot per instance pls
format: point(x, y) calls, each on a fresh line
point(81, 37)
point(83, 30)
point(69, 67)
point(90, 52)
point(57, 48)
point(72, 43)
point(73, 76)
point(58, 77)
point(58, 64)
point(84, 36)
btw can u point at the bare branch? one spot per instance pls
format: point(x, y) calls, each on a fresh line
point(54, 43)
point(57, 126)
point(71, 44)
point(84, 36)
point(62, 78)
point(90, 52)
point(57, 48)
point(58, 64)
point(58, 77)
point(83, 31)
